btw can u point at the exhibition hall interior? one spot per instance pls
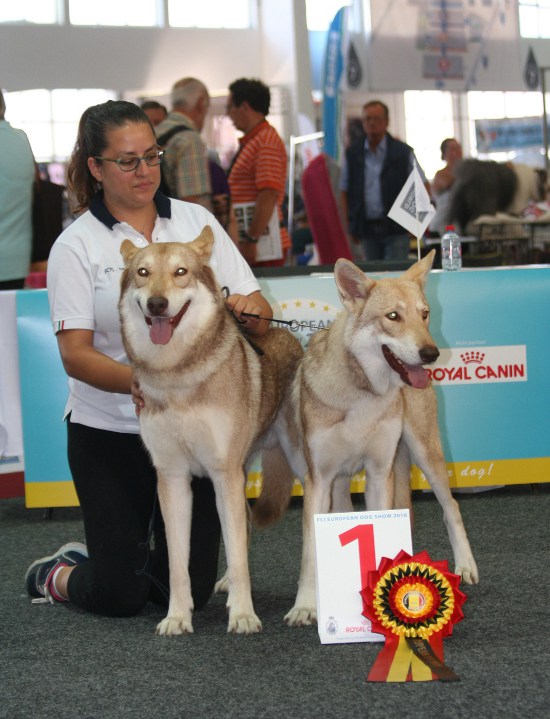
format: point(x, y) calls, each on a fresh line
point(283, 268)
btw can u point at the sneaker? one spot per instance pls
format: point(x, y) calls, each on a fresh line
point(39, 576)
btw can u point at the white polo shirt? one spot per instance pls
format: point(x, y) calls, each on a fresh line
point(84, 270)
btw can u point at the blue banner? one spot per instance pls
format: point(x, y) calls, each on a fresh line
point(332, 76)
point(44, 393)
point(508, 134)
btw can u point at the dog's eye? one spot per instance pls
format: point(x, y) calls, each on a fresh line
point(425, 314)
point(142, 272)
point(180, 272)
point(393, 316)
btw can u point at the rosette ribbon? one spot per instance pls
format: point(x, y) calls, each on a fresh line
point(414, 602)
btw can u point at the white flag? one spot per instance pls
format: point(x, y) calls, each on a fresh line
point(412, 209)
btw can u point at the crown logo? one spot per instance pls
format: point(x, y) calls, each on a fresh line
point(472, 357)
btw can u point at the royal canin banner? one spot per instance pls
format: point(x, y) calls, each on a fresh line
point(480, 365)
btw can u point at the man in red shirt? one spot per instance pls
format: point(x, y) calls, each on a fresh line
point(258, 172)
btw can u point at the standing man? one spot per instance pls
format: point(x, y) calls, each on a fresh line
point(375, 168)
point(16, 185)
point(185, 164)
point(258, 171)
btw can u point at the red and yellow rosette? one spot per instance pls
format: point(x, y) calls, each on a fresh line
point(414, 602)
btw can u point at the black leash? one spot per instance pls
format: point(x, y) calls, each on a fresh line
point(292, 324)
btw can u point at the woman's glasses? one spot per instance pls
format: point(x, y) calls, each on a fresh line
point(128, 164)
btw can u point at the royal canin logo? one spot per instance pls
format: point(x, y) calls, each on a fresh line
point(492, 364)
point(472, 357)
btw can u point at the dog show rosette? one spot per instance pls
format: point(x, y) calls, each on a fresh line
point(414, 602)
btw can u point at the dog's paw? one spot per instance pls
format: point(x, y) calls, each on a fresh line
point(222, 585)
point(301, 616)
point(173, 626)
point(467, 572)
point(244, 624)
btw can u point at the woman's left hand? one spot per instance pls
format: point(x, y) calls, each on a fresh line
point(137, 396)
point(253, 304)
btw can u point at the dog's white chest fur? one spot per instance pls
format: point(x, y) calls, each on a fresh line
point(359, 435)
point(199, 439)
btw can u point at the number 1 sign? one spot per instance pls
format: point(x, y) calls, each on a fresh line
point(348, 546)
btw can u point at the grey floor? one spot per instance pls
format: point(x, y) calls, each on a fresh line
point(58, 662)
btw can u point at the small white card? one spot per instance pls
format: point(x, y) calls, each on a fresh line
point(347, 546)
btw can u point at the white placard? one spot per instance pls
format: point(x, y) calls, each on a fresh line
point(347, 546)
point(269, 242)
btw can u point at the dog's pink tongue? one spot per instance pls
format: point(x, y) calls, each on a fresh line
point(161, 330)
point(418, 376)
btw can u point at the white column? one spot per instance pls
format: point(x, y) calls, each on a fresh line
point(285, 59)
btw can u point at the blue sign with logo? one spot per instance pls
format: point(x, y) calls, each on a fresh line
point(509, 134)
point(332, 76)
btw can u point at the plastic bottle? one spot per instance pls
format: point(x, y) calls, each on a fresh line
point(451, 250)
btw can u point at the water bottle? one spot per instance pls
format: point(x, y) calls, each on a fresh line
point(451, 250)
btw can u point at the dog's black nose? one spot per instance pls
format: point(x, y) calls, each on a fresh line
point(429, 354)
point(157, 305)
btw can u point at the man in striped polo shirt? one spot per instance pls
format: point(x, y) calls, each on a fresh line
point(258, 171)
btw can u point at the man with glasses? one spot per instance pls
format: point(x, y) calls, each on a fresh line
point(257, 176)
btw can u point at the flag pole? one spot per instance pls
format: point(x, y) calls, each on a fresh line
point(416, 175)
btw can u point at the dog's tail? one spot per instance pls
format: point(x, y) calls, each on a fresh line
point(277, 481)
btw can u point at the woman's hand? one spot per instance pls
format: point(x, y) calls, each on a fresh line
point(253, 304)
point(137, 396)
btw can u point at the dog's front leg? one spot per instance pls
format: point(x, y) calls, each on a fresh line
point(222, 585)
point(232, 509)
point(316, 501)
point(379, 492)
point(431, 461)
point(176, 498)
point(423, 442)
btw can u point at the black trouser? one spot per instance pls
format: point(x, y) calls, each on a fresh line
point(116, 486)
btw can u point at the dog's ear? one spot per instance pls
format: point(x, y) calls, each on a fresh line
point(420, 270)
point(204, 243)
point(128, 250)
point(353, 286)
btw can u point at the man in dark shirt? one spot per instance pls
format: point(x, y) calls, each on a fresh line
point(375, 168)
